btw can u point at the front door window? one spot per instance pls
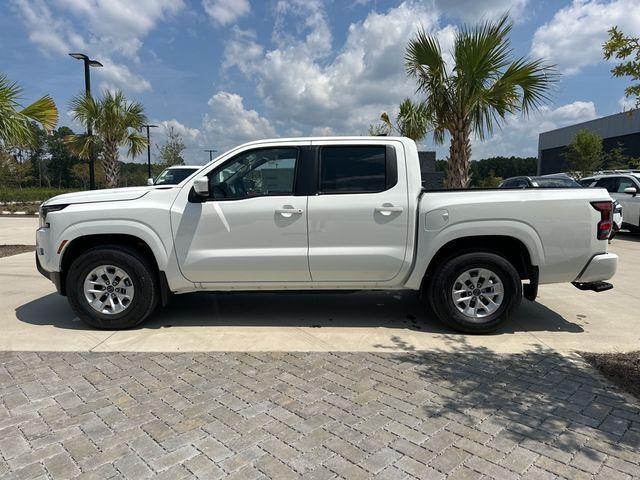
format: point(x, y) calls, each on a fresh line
point(257, 173)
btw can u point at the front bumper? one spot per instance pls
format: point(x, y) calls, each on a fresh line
point(55, 277)
point(600, 267)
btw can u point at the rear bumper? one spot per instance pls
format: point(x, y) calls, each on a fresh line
point(600, 267)
point(55, 277)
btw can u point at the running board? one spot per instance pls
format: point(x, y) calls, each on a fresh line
point(594, 286)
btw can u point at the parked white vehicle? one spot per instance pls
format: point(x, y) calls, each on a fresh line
point(344, 213)
point(173, 175)
point(623, 187)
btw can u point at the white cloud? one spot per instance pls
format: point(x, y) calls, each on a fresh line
point(111, 31)
point(187, 133)
point(473, 10)
point(573, 38)
point(627, 103)
point(302, 18)
point(304, 90)
point(242, 51)
point(520, 134)
point(225, 12)
point(114, 75)
point(228, 123)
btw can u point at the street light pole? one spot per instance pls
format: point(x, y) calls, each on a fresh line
point(211, 152)
point(87, 89)
point(149, 148)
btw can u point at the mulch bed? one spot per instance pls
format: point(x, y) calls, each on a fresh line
point(623, 369)
point(8, 250)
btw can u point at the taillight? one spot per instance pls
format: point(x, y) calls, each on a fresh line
point(606, 219)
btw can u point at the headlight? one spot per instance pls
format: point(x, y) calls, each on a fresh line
point(45, 210)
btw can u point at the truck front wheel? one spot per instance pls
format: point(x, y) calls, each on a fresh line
point(475, 292)
point(112, 287)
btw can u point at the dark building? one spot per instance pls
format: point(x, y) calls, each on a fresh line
point(431, 180)
point(621, 129)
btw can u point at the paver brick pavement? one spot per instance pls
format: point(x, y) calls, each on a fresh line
point(467, 414)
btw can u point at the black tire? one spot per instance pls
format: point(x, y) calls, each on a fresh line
point(442, 281)
point(141, 273)
point(631, 228)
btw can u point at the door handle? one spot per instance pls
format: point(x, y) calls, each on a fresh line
point(388, 209)
point(288, 211)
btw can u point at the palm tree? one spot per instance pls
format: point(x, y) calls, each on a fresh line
point(115, 122)
point(16, 127)
point(483, 85)
point(411, 121)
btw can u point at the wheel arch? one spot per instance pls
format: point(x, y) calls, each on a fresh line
point(83, 243)
point(511, 248)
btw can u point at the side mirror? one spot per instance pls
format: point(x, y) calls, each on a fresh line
point(201, 186)
point(631, 191)
point(150, 181)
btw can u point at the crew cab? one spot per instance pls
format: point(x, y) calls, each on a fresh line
point(340, 213)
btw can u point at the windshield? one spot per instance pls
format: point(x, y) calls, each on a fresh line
point(173, 176)
point(557, 182)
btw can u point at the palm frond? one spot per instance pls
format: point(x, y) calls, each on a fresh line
point(43, 111)
point(136, 143)
point(424, 62)
point(16, 122)
point(413, 119)
point(81, 144)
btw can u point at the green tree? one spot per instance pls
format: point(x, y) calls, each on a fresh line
point(116, 123)
point(623, 47)
point(170, 152)
point(503, 167)
point(615, 159)
point(61, 159)
point(411, 121)
point(13, 171)
point(482, 86)
point(584, 155)
point(490, 181)
point(378, 129)
point(16, 127)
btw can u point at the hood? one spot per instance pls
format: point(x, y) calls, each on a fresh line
point(107, 195)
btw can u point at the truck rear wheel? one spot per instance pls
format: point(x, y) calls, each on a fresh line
point(475, 292)
point(112, 287)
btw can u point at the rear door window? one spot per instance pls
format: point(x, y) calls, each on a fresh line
point(353, 169)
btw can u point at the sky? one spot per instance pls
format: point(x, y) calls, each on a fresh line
point(223, 72)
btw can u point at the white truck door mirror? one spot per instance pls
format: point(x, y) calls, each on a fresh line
point(150, 181)
point(631, 191)
point(201, 186)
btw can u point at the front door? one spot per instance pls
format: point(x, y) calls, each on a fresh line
point(630, 203)
point(359, 219)
point(253, 229)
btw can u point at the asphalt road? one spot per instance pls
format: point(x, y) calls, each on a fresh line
point(34, 317)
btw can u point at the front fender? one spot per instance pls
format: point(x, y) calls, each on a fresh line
point(122, 227)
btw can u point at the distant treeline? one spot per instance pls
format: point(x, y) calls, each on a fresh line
point(489, 171)
point(49, 164)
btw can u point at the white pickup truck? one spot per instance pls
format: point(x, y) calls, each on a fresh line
point(343, 213)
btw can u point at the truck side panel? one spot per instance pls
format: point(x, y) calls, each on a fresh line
point(558, 226)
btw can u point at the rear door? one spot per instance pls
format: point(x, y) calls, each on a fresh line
point(358, 219)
